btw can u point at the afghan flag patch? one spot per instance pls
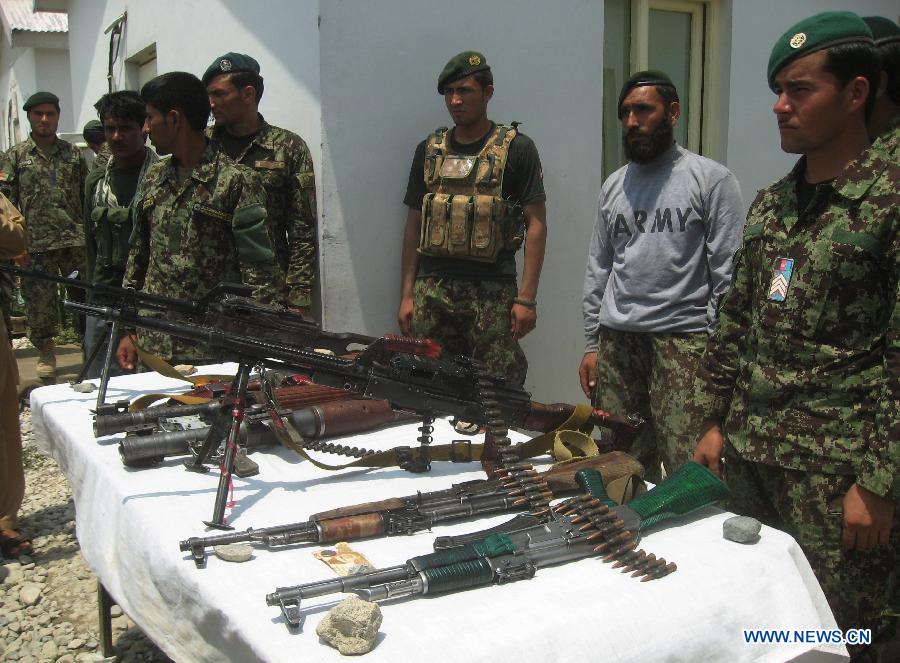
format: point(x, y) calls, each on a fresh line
point(781, 278)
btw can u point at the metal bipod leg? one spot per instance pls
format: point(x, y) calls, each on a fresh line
point(238, 406)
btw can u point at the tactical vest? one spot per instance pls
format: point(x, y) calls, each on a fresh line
point(464, 215)
point(112, 222)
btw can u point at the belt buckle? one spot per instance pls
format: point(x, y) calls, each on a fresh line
point(456, 457)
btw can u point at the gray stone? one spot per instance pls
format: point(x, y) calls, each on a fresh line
point(351, 626)
point(49, 650)
point(30, 594)
point(66, 658)
point(115, 611)
point(83, 387)
point(15, 627)
point(234, 552)
point(77, 643)
point(88, 657)
point(91, 644)
point(741, 529)
point(14, 574)
point(24, 560)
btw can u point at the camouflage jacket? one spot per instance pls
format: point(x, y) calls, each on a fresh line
point(48, 191)
point(887, 143)
point(188, 237)
point(283, 161)
point(804, 367)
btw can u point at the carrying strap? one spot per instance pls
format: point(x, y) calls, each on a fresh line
point(577, 422)
point(163, 367)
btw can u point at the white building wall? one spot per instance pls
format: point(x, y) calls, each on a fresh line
point(52, 73)
point(18, 73)
point(281, 34)
point(754, 148)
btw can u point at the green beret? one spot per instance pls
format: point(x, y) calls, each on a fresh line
point(39, 98)
point(460, 66)
point(884, 30)
point(815, 34)
point(230, 63)
point(642, 78)
point(93, 132)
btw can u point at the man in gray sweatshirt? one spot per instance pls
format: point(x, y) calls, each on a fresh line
point(668, 224)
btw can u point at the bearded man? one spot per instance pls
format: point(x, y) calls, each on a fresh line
point(668, 224)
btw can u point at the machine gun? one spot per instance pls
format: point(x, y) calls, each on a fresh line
point(410, 373)
point(516, 488)
point(225, 306)
point(582, 526)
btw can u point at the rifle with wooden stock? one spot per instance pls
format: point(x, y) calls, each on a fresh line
point(515, 489)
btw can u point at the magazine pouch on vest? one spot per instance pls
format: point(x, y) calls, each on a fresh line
point(464, 214)
point(112, 229)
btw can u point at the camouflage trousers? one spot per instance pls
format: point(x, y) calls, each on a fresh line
point(652, 374)
point(41, 305)
point(859, 585)
point(471, 318)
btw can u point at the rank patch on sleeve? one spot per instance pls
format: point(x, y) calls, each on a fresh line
point(781, 278)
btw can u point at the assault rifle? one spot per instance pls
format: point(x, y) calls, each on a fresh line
point(513, 489)
point(582, 526)
point(410, 373)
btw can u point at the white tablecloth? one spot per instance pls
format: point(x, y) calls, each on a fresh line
point(130, 521)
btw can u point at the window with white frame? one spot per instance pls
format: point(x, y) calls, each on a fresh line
point(674, 36)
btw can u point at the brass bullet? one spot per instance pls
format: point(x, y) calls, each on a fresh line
point(626, 558)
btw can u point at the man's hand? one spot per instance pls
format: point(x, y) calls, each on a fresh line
point(522, 319)
point(867, 519)
point(22, 260)
point(126, 354)
point(586, 372)
point(709, 450)
point(405, 316)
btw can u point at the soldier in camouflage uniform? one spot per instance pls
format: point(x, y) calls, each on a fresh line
point(44, 178)
point(884, 120)
point(800, 384)
point(282, 160)
point(473, 192)
point(199, 218)
point(668, 224)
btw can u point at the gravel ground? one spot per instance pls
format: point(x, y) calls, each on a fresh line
point(48, 602)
